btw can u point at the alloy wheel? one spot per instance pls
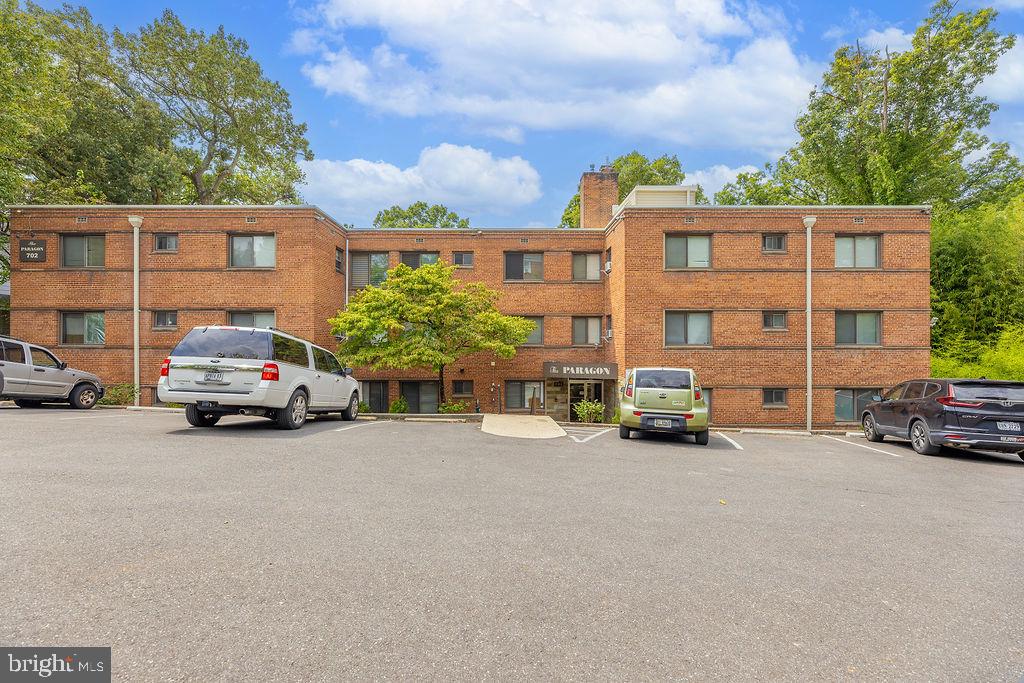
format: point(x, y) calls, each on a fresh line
point(869, 427)
point(299, 409)
point(87, 398)
point(919, 437)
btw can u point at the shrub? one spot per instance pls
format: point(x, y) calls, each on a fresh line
point(453, 406)
point(958, 357)
point(119, 395)
point(616, 416)
point(590, 411)
point(399, 405)
point(364, 407)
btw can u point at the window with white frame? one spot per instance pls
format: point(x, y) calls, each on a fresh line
point(857, 251)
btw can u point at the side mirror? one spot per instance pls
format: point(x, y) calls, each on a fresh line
point(346, 371)
point(63, 365)
point(876, 397)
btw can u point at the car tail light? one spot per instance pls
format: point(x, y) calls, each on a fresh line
point(696, 394)
point(638, 413)
point(165, 367)
point(688, 416)
point(950, 400)
point(271, 372)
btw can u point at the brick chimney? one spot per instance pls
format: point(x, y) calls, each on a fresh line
point(599, 190)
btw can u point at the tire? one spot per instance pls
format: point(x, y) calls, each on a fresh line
point(27, 403)
point(1021, 455)
point(702, 438)
point(294, 414)
point(197, 418)
point(624, 432)
point(83, 397)
point(919, 439)
point(352, 412)
point(870, 429)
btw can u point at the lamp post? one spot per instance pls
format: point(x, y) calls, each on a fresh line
point(136, 223)
point(809, 222)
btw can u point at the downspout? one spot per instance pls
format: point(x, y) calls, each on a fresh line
point(809, 222)
point(348, 266)
point(136, 223)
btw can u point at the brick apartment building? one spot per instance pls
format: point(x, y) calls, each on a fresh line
point(657, 280)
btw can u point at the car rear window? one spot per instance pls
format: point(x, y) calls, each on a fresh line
point(1012, 392)
point(221, 343)
point(663, 379)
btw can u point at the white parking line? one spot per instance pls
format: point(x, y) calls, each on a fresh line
point(860, 445)
point(592, 436)
point(356, 426)
point(734, 444)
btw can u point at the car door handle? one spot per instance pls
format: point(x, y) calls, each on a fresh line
point(39, 370)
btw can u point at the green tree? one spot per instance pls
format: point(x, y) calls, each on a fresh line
point(419, 215)
point(897, 128)
point(425, 317)
point(634, 169)
point(229, 118)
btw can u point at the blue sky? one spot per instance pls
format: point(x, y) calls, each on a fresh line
point(495, 107)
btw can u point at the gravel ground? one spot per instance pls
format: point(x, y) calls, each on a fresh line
point(412, 550)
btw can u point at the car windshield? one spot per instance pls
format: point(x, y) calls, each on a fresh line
point(221, 343)
point(663, 379)
point(995, 392)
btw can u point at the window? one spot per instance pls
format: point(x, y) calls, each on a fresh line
point(463, 259)
point(773, 241)
point(415, 259)
point(774, 320)
point(165, 241)
point(850, 403)
point(369, 270)
point(774, 398)
point(83, 328)
point(858, 328)
point(536, 337)
point(687, 328)
point(586, 330)
point(521, 395)
point(421, 396)
point(895, 393)
point(376, 395)
point(586, 266)
point(225, 343)
point(324, 361)
point(252, 318)
point(339, 261)
point(252, 251)
point(289, 350)
point(82, 251)
point(165, 320)
point(522, 266)
point(914, 390)
point(12, 352)
point(462, 387)
point(42, 358)
point(687, 251)
point(859, 251)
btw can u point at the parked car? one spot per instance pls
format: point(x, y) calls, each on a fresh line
point(217, 370)
point(30, 375)
point(962, 413)
point(665, 400)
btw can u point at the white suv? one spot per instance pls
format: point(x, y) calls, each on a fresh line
point(218, 371)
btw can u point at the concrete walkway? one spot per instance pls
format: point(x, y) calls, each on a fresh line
point(522, 426)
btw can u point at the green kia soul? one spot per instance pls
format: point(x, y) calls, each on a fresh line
point(663, 400)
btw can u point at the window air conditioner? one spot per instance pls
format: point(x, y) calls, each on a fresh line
point(607, 266)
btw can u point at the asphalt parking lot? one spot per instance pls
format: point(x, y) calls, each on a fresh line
point(411, 550)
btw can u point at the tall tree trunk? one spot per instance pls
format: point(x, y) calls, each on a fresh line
point(440, 384)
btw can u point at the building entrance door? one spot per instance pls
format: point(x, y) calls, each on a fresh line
point(582, 391)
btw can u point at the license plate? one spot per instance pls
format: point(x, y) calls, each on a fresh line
point(213, 376)
point(1012, 439)
point(1008, 426)
point(663, 423)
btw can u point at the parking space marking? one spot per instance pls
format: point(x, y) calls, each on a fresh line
point(734, 444)
point(586, 438)
point(860, 445)
point(356, 426)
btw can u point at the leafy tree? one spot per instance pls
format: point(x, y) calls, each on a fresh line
point(1004, 359)
point(898, 128)
point(419, 215)
point(234, 128)
point(425, 317)
point(634, 169)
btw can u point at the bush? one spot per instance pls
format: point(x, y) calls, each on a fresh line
point(399, 405)
point(119, 395)
point(364, 407)
point(453, 406)
point(959, 357)
point(590, 411)
point(616, 416)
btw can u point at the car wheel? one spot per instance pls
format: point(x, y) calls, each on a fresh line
point(294, 414)
point(352, 412)
point(870, 429)
point(83, 397)
point(624, 432)
point(26, 403)
point(1021, 455)
point(198, 418)
point(702, 438)
point(920, 441)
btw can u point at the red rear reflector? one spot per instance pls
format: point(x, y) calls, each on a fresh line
point(638, 413)
point(689, 416)
point(271, 372)
point(165, 367)
point(953, 436)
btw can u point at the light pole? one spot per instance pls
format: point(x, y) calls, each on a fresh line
point(809, 222)
point(136, 223)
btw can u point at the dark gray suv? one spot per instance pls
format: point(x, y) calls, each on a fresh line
point(963, 413)
point(30, 375)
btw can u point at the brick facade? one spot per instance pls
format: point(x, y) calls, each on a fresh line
point(304, 289)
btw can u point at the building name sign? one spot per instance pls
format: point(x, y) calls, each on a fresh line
point(32, 250)
point(578, 371)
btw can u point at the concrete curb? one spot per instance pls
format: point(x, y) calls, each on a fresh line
point(425, 417)
point(777, 432)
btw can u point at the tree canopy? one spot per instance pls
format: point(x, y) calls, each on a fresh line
point(425, 317)
point(419, 215)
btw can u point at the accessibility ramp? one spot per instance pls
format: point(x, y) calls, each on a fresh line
point(522, 426)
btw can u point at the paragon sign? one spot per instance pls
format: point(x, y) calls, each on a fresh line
point(32, 250)
point(580, 371)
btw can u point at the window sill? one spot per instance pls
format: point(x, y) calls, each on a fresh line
point(462, 395)
point(775, 329)
point(83, 267)
point(859, 346)
point(252, 268)
point(164, 329)
point(855, 269)
point(164, 251)
point(80, 346)
point(696, 269)
point(774, 252)
point(524, 282)
point(586, 282)
point(774, 407)
point(686, 346)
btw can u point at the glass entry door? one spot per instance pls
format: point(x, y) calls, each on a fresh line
point(582, 391)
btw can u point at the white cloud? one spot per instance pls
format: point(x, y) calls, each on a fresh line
point(713, 178)
point(693, 72)
point(466, 179)
point(1006, 85)
point(891, 37)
